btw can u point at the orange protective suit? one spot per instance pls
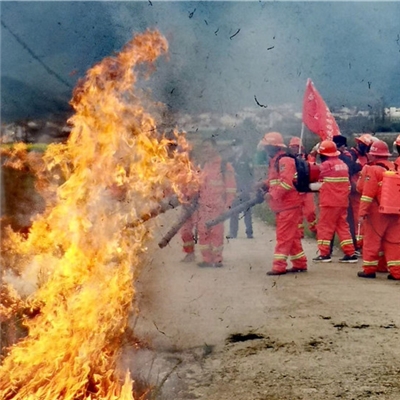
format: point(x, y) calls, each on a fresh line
point(188, 233)
point(354, 195)
point(382, 265)
point(286, 202)
point(216, 194)
point(333, 204)
point(397, 164)
point(309, 213)
point(381, 231)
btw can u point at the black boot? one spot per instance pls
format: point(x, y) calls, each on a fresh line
point(273, 273)
point(362, 274)
point(322, 259)
point(295, 270)
point(204, 264)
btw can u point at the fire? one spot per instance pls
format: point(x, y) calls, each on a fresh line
point(115, 166)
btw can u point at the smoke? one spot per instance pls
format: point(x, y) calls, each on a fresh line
point(222, 54)
point(30, 279)
point(46, 47)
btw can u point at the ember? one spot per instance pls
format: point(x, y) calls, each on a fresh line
point(83, 259)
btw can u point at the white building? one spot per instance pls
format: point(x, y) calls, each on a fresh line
point(393, 113)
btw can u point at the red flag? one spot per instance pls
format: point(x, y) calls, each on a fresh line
point(316, 114)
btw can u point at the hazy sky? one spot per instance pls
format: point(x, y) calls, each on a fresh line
point(351, 50)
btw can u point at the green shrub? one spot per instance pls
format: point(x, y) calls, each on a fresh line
point(264, 213)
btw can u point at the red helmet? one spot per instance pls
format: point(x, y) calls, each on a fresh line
point(365, 138)
point(272, 139)
point(295, 141)
point(397, 141)
point(328, 148)
point(379, 148)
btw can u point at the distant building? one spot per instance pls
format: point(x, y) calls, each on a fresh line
point(387, 135)
point(345, 113)
point(392, 113)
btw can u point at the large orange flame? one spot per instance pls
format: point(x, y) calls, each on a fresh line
point(81, 248)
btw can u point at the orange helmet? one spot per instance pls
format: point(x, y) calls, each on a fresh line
point(295, 141)
point(272, 139)
point(328, 148)
point(397, 141)
point(379, 148)
point(365, 138)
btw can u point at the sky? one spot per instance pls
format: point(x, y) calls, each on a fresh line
point(223, 56)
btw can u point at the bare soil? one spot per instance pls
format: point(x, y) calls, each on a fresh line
point(235, 333)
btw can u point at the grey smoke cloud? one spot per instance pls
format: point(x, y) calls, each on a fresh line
point(222, 54)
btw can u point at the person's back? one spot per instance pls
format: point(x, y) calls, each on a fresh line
point(285, 201)
point(370, 184)
point(212, 188)
point(281, 176)
point(335, 189)
point(216, 194)
point(333, 202)
point(381, 230)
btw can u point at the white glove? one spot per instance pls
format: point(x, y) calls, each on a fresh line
point(314, 187)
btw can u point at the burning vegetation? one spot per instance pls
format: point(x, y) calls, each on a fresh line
point(82, 253)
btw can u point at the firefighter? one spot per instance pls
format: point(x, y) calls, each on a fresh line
point(354, 173)
point(296, 147)
point(359, 155)
point(285, 201)
point(244, 176)
point(308, 204)
point(341, 145)
point(216, 194)
point(381, 231)
point(333, 204)
point(397, 161)
point(382, 265)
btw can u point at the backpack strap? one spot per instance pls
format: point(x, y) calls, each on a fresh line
point(353, 154)
point(281, 156)
point(380, 164)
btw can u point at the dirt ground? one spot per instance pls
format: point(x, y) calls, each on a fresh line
point(235, 333)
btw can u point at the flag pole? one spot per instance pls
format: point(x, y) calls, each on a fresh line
point(309, 82)
point(301, 136)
